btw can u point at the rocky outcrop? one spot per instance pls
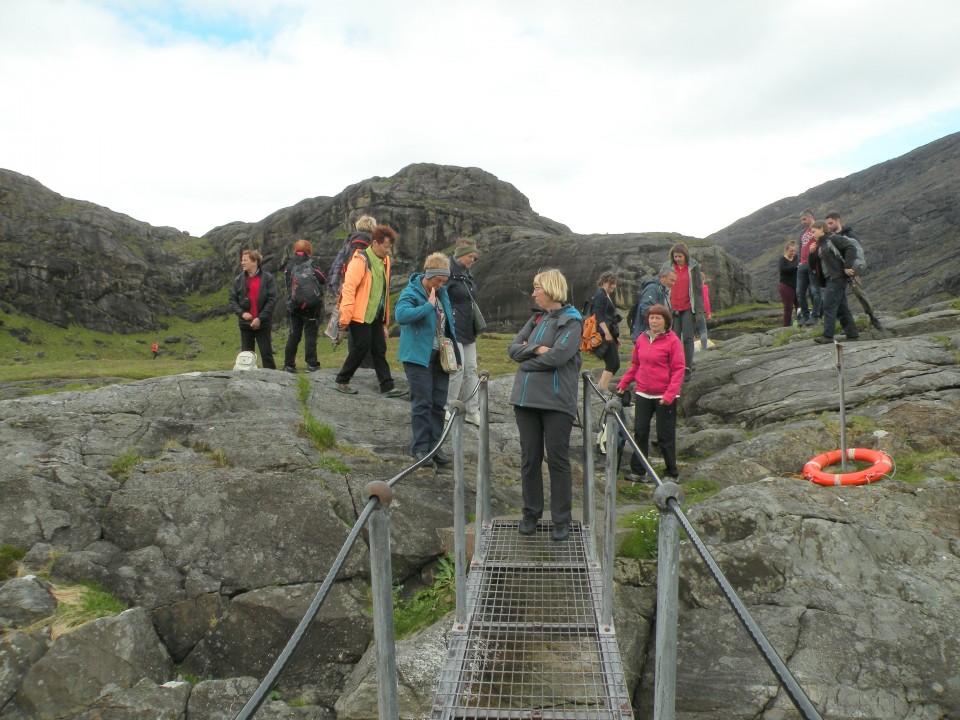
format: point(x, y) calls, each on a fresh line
point(506, 270)
point(218, 531)
point(68, 261)
point(905, 212)
point(75, 262)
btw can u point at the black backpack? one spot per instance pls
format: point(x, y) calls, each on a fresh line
point(356, 241)
point(305, 291)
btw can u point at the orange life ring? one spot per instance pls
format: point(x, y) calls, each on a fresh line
point(882, 464)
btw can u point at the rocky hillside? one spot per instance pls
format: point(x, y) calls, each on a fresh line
point(906, 212)
point(67, 261)
point(217, 538)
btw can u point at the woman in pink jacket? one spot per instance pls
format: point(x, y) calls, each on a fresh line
point(657, 368)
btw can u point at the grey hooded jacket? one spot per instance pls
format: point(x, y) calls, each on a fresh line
point(549, 381)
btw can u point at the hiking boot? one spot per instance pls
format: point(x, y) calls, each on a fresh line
point(344, 388)
point(290, 369)
point(560, 531)
point(823, 339)
point(418, 456)
point(528, 525)
point(876, 324)
point(473, 418)
point(395, 393)
point(312, 368)
point(442, 459)
point(635, 477)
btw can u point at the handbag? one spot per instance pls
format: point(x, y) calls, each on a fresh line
point(479, 324)
point(448, 354)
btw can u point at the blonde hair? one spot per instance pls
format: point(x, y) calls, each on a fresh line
point(436, 261)
point(554, 284)
point(365, 223)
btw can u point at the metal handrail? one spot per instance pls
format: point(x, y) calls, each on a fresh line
point(380, 494)
point(770, 655)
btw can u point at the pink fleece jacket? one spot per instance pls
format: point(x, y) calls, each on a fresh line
point(656, 366)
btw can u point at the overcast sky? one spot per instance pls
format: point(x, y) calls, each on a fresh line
point(610, 116)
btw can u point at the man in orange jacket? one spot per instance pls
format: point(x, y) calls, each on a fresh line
point(365, 312)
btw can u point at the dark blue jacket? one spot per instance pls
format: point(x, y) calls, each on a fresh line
point(460, 288)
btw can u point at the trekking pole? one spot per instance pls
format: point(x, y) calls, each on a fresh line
point(843, 411)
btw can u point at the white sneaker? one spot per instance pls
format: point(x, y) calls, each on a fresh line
point(473, 418)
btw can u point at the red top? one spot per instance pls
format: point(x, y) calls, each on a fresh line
point(706, 299)
point(805, 237)
point(680, 292)
point(253, 292)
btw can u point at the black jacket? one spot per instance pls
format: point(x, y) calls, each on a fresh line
point(459, 288)
point(240, 303)
point(606, 312)
point(833, 262)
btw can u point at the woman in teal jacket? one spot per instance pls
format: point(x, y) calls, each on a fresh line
point(424, 314)
point(544, 401)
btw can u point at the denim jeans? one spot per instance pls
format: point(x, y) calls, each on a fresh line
point(807, 282)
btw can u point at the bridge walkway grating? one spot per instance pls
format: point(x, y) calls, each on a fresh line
point(532, 645)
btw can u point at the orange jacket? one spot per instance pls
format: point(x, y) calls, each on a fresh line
point(356, 289)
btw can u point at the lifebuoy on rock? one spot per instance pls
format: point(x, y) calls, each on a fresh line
point(882, 464)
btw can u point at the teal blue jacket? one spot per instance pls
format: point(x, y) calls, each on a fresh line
point(418, 322)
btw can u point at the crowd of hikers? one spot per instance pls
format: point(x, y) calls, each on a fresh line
point(440, 319)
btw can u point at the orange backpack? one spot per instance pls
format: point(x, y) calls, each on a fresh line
point(591, 338)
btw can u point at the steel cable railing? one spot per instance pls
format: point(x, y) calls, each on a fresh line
point(670, 501)
point(381, 494)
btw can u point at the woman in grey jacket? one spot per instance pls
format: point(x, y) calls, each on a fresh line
point(544, 401)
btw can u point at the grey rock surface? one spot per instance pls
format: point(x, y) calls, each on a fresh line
point(24, 600)
point(220, 536)
point(117, 651)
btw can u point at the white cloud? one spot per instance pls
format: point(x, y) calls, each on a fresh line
point(611, 116)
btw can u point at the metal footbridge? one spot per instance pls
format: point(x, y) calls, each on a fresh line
point(533, 635)
point(534, 643)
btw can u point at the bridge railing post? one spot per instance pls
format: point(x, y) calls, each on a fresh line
point(613, 409)
point(483, 511)
point(381, 581)
point(668, 574)
point(459, 514)
point(588, 454)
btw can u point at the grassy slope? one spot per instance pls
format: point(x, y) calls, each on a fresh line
point(33, 350)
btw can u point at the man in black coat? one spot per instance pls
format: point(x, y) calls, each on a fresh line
point(836, 255)
point(834, 225)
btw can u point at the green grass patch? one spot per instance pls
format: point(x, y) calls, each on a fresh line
point(427, 605)
point(318, 433)
point(698, 490)
point(123, 465)
point(914, 467)
point(784, 337)
point(79, 604)
point(10, 555)
point(742, 308)
point(945, 340)
point(332, 464)
point(303, 390)
point(641, 543)
point(909, 312)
